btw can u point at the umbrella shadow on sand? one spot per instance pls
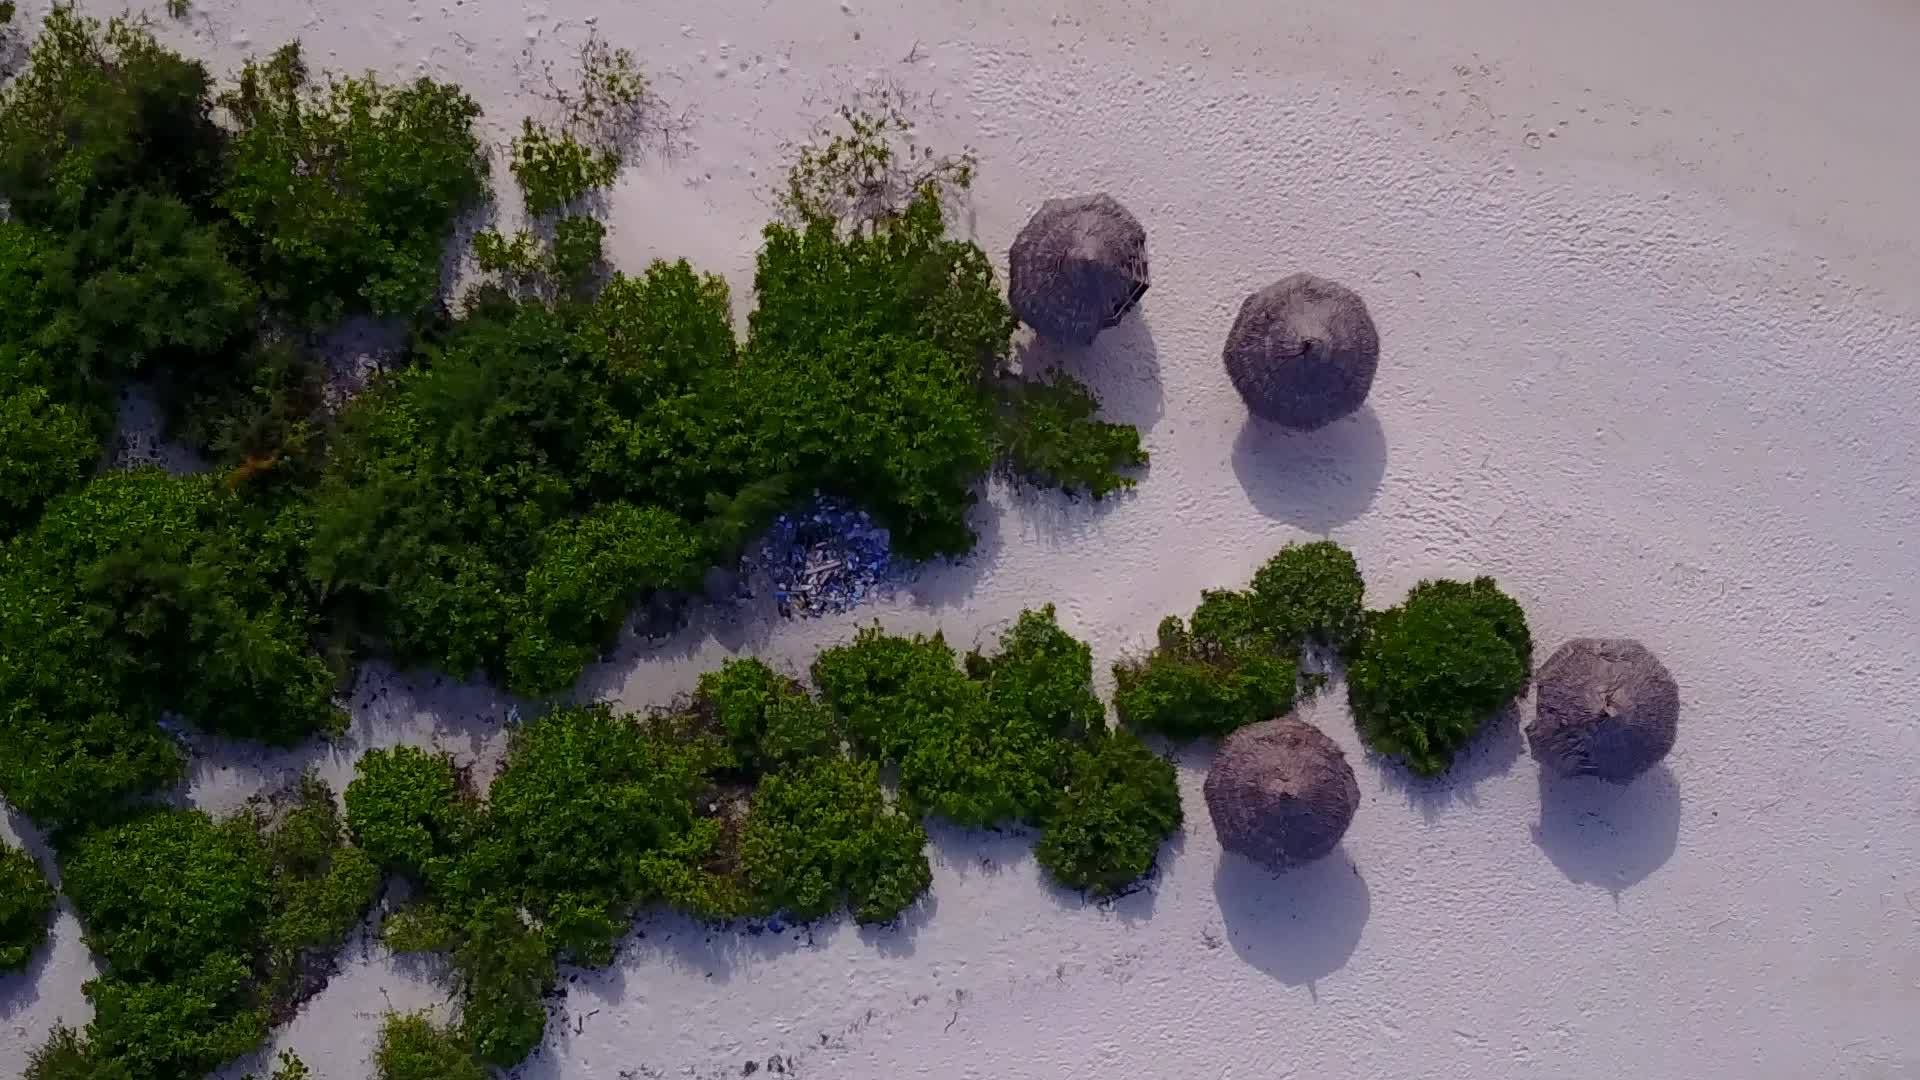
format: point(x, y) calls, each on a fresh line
point(1297, 927)
point(1603, 834)
point(1315, 480)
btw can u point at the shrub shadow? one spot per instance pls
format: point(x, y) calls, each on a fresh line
point(1492, 753)
point(717, 951)
point(1121, 367)
point(1603, 834)
point(1297, 927)
point(1314, 480)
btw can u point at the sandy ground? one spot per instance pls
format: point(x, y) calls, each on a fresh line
point(1645, 277)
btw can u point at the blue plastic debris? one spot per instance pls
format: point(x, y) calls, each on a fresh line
point(828, 559)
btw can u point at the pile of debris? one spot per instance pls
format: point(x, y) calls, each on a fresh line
point(826, 560)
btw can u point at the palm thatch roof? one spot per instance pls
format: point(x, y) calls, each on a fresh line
point(1281, 793)
point(1303, 352)
point(1607, 708)
point(1077, 268)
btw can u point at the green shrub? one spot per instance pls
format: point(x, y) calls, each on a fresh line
point(1237, 661)
point(592, 804)
point(320, 886)
point(347, 193)
point(48, 444)
point(1047, 432)
point(1426, 675)
point(288, 1066)
point(262, 420)
point(821, 838)
point(164, 891)
point(1041, 675)
point(412, 1048)
point(66, 1056)
point(505, 968)
point(1310, 593)
point(26, 905)
point(769, 721)
point(144, 288)
point(887, 689)
point(589, 572)
point(203, 927)
point(141, 594)
point(555, 169)
point(905, 702)
point(1207, 679)
point(101, 111)
point(1120, 804)
point(563, 267)
point(178, 1028)
point(405, 809)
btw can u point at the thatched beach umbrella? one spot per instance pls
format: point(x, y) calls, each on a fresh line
point(1303, 352)
point(1077, 268)
point(1281, 793)
point(1607, 708)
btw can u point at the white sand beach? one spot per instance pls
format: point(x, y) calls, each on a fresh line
point(1647, 281)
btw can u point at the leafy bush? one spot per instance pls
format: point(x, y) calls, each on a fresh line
point(505, 968)
point(320, 886)
point(769, 721)
point(288, 1066)
point(1041, 675)
point(821, 837)
point(595, 805)
point(587, 575)
point(204, 928)
point(1205, 679)
point(48, 443)
point(101, 111)
point(1310, 593)
point(405, 809)
point(346, 193)
point(167, 889)
point(592, 814)
point(144, 593)
point(178, 1028)
point(1047, 433)
point(1121, 802)
point(26, 905)
point(1237, 661)
point(413, 1048)
point(555, 169)
point(1426, 674)
point(142, 287)
point(963, 752)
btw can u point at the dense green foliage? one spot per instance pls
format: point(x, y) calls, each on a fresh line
point(822, 838)
point(207, 929)
point(49, 437)
point(141, 594)
point(144, 288)
point(556, 447)
point(413, 1048)
point(1047, 432)
point(345, 194)
point(769, 721)
point(592, 815)
point(1426, 674)
point(1120, 803)
point(1237, 660)
point(100, 112)
point(26, 905)
point(1310, 593)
